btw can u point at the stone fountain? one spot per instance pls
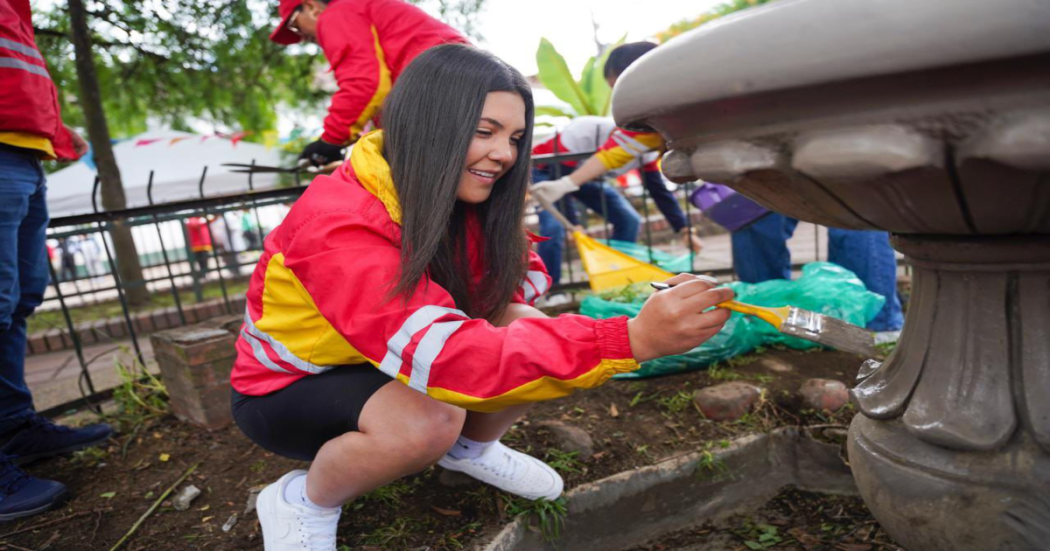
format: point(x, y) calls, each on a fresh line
point(931, 120)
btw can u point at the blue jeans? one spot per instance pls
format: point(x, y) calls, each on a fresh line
point(618, 211)
point(24, 271)
point(760, 253)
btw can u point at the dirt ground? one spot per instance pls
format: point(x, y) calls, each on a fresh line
point(793, 521)
point(632, 423)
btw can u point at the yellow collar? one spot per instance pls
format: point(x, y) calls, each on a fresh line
point(373, 172)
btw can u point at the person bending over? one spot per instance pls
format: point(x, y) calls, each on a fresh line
point(390, 324)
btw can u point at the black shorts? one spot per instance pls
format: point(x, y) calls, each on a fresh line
point(298, 419)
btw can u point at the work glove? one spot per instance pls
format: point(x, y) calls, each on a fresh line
point(553, 190)
point(321, 153)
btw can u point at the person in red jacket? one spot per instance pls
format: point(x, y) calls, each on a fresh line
point(368, 43)
point(31, 130)
point(389, 321)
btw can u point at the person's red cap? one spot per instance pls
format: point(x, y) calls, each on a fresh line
point(282, 34)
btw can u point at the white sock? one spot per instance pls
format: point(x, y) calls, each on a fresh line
point(295, 493)
point(465, 448)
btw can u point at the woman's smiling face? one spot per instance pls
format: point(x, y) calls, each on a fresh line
point(494, 149)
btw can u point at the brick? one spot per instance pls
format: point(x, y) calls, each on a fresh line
point(190, 311)
point(195, 363)
point(195, 344)
point(86, 334)
point(174, 319)
point(144, 323)
point(101, 330)
point(117, 328)
point(53, 339)
point(228, 322)
point(37, 343)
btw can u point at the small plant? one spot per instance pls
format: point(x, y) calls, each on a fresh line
point(140, 396)
point(709, 466)
point(717, 372)
point(451, 540)
point(676, 403)
point(760, 536)
point(258, 466)
point(562, 461)
point(395, 535)
point(90, 456)
point(885, 348)
point(549, 514)
point(390, 494)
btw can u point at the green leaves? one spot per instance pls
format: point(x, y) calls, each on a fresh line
point(590, 95)
point(555, 75)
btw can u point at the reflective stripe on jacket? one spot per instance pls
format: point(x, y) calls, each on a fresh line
point(369, 43)
point(318, 299)
point(624, 146)
point(29, 113)
point(620, 150)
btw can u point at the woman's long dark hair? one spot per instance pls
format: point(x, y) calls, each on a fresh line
point(429, 121)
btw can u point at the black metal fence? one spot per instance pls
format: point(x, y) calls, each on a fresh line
point(181, 276)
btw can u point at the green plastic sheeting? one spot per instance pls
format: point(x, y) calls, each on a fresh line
point(669, 262)
point(824, 287)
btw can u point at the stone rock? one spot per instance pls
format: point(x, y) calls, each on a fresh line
point(569, 438)
point(824, 394)
point(185, 497)
point(727, 401)
point(776, 365)
point(253, 498)
point(230, 523)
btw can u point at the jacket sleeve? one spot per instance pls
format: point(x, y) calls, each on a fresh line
point(536, 281)
point(624, 146)
point(433, 347)
point(351, 44)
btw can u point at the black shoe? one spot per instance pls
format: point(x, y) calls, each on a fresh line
point(22, 495)
point(38, 438)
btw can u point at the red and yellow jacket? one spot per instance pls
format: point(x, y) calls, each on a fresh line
point(318, 300)
point(369, 43)
point(29, 113)
point(625, 146)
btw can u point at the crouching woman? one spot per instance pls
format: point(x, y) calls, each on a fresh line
point(390, 323)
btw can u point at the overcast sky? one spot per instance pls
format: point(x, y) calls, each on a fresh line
point(512, 29)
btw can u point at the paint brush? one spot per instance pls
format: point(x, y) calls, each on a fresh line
point(806, 324)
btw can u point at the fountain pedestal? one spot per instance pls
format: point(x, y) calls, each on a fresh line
point(930, 120)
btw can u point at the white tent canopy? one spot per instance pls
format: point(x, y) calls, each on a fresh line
point(176, 165)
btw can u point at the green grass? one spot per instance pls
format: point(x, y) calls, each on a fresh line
point(390, 494)
point(550, 515)
point(43, 320)
point(393, 536)
point(676, 403)
point(709, 466)
point(563, 461)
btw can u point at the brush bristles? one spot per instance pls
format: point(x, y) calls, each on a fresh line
point(829, 331)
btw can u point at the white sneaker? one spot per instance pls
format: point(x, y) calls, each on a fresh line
point(510, 471)
point(293, 527)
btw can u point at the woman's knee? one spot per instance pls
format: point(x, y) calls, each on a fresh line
point(427, 439)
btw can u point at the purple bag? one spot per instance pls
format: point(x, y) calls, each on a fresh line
point(726, 207)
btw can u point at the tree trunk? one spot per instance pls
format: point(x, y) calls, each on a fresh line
point(112, 190)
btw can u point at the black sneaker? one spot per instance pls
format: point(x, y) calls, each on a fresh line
point(22, 495)
point(38, 438)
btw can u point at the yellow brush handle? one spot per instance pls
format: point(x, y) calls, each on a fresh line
point(772, 316)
